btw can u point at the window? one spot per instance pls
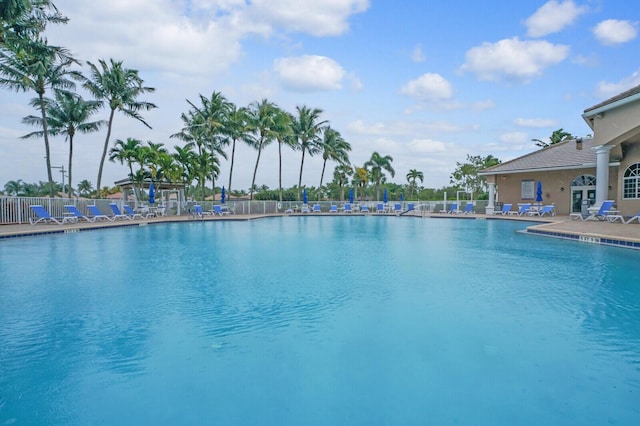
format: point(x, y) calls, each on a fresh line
point(526, 189)
point(584, 180)
point(631, 182)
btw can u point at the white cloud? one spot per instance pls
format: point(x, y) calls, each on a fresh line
point(418, 55)
point(309, 73)
point(535, 122)
point(513, 59)
point(428, 87)
point(513, 137)
point(614, 31)
point(606, 89)
point(552, 17)
point(426, 146)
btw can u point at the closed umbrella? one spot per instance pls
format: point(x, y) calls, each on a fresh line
point(152, 194)
point(304, 196)
point(223, 196)
point(351, 195)
point(385, 198)
point(401, 197)
point(539, 193)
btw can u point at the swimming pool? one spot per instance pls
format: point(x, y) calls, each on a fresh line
point(318, 320)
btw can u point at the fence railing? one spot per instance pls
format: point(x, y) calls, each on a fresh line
point(15, 210)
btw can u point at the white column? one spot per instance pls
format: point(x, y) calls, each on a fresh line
point(492, 199)
point(602, 172)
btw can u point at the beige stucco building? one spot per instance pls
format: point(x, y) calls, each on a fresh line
point(605, 167)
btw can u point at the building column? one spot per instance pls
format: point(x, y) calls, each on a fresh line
point(602, 172)
point(492, 199)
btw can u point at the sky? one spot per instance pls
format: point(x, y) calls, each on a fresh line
point(426, 82)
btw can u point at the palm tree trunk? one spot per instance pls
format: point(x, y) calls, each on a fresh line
point(324, 164)
point(255, 170)
point(233, 153)
point(280, 168)
point(70, 161)
point(300, 177)
point(46, 143)
point(104, 152)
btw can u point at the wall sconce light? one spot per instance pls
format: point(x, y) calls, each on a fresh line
point(562, 189)
point(609, 187)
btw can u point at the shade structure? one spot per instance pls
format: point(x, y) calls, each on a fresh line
point(152, 193)
point(351, 195)
point(539, 192)
point(385, 198)
point(304, 196)
point(223, 196)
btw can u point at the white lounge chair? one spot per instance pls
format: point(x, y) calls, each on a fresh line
point(77, 214)
point(117, 214)
point(45, 217)
point(636, 217)
point(98, 215)
point(506, 208)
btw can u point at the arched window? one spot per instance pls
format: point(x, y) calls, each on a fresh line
point(584, 180)
point(631, 182)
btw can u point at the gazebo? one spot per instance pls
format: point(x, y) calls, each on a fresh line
point(169, 194)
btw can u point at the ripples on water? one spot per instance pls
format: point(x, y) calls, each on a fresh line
point(313, 320)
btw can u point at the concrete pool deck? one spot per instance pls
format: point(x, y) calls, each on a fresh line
point(598, 232)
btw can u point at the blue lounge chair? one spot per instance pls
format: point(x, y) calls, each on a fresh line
point(524, 209)
point(98, 215)
point(397, 208)
point(197, 210)
point(117, 214)
point(347, 208)
point(45, 217)
point(410, 206)
point(333, 209)
point(316, 208)
point(217, 209)
point(364, 209)
point(600, 213)
point(77, 214)
point(452, 210)
point(468, 209)
point(131, 213)
point(380, 208)
point(545, 210)
point(305, 209)
point(506, 209)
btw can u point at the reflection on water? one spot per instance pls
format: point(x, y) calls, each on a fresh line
point(318, 321)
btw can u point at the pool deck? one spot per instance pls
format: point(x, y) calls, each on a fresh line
point(595, 232)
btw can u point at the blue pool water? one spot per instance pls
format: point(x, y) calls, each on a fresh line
point(318, 321)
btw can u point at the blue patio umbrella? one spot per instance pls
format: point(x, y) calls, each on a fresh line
point(401, 197)
point(539, 193)
point(351, 195)
point(223, 196)
point(385, 198)
point(305, 200)
point(152, 193)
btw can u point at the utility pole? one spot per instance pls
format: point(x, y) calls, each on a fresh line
point(63, 172)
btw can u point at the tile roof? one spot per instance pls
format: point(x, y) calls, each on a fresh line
point(560, 155)
point(633, 91)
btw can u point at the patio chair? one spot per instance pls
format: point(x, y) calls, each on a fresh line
point(468, 209)
point(452, 210)
point(45, 217)
point(316, 208)
point(98, 215)
point(524, 209)
point(380, 208)
point(131, 213)
point(347, 208)
point(197, 211)
point(77, 214)
point(397, 208)
point(506, 208)
point(333, 209)
point(636, 217)
point(305, 209)
point(364, 209)
point(217, 209)
point(601, 212)
point(410, 206)
point(545, 210)
point(117, 214)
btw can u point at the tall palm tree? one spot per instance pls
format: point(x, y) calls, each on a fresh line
point(84, 187)
point(262, 116)
point(126, 152)
point(307, 129)
point(283, 133)
point(38, 67)
point(335, 148)
point(120, 88)
point(377, 165)
point(21, 21)
point(185, 158)
point(67, 115)
point(341, 175)
point(412, 176)
point(237, 126)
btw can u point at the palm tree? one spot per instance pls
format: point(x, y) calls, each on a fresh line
point(21, 21)
point(67, 115)
point(262, 117)
point(341, 175)
point(412, 176)
point(185, 158)
point(556, 137)
point(360, 178)
point(284, 135)
point(376, 165)
point(85, 188)
point(14, 187)
point(236, 127)
point(38, 67)
point(120, 88)
point(126, 152)
point(307, 129)
point(333, 147)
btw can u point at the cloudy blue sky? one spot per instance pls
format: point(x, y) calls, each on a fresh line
point(426, 82)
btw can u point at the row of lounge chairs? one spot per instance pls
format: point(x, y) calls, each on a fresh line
point(605, 211)
point(349, 208)
point(216, 210)
point(468, 209)
point(527, 210)
point(74, 215)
